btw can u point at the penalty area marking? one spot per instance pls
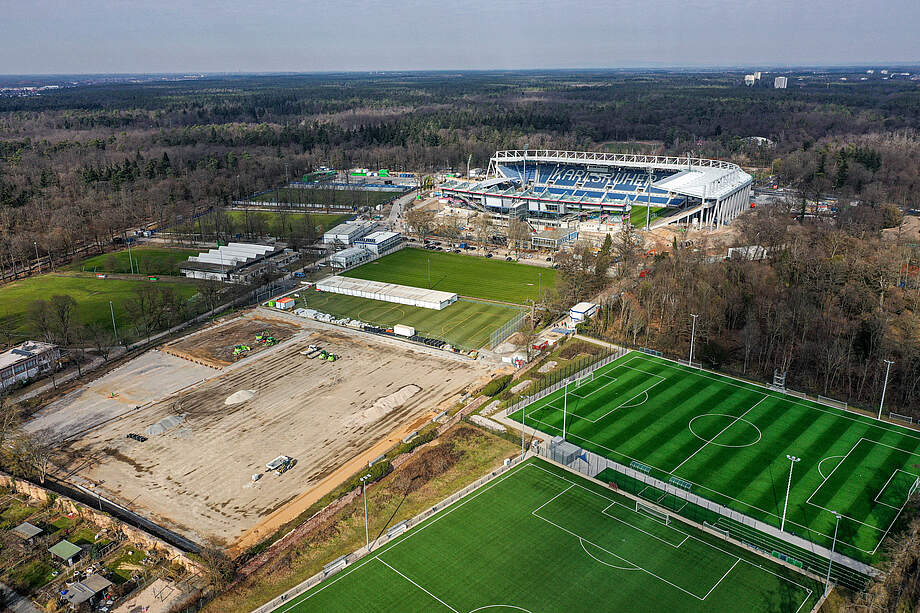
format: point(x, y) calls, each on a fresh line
point(599, 561)
point(501, 606)
point(830, 457)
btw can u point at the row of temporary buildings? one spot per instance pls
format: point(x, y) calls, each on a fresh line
point(236, 262)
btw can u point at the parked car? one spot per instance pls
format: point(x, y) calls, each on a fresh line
point(488, 255)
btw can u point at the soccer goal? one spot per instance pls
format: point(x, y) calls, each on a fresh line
point(588, 378)
point(650, 510)
point(905, 418)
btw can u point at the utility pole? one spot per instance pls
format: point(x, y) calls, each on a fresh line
point(884, 387)
point(38, 261)
point(792, 460)
point(114, 329)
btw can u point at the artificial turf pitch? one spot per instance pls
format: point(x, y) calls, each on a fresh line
point(540, 539)
point(477, 277)
point(465, 323)
point(730, 440)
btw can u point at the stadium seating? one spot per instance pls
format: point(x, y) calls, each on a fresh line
point(575, 182)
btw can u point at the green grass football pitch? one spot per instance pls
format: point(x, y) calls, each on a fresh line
point(730, 439)
point(638, 213)
point(465, 323)
point(477, 277)
point(540, 539)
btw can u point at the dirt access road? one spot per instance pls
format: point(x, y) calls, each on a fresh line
point(196, 477)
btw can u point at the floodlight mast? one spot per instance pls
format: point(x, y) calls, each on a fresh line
point(692, 336)
point(565, 405)
point(884, 387)
point(792, 460)
point(830, 560)
point(367, 540)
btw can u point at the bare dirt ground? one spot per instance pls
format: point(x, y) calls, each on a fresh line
point(145, 379)
point(213, 346)
point(195, 478)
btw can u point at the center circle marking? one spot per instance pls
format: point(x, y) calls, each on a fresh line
point(730, 420)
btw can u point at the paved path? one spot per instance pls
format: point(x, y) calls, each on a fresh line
point(11, 601)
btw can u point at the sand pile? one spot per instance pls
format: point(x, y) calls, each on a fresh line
point(240, 396)
point(385, 404)
point(167, 423)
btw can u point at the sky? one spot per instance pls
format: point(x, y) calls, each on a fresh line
point(133, 36)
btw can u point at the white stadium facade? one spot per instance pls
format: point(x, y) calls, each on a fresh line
point(549, 183)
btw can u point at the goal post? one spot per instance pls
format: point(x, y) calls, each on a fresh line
point(588, 378)
point(655, 513)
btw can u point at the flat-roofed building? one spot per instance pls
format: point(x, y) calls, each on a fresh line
point(347, 233)
point(388, 292)
point(27, 361)
point(379, 242)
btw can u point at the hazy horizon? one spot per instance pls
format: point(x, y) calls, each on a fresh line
point(55, 37)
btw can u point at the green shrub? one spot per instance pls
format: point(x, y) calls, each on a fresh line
point(495, 386)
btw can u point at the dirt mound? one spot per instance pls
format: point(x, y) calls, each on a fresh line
point(385, 404)
point(239, 397)
point(167, 423)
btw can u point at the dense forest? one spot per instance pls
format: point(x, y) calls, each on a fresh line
point(84, 164)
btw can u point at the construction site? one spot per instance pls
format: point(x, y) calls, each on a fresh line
point(225, 451)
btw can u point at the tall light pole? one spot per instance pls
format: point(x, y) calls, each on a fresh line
point(830, 560)
point(692, 335)
point(367, 539)
point(884, 388)
point(565, 406)
point(792, 460)
point(114, 329)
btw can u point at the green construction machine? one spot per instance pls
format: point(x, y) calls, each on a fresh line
point(241, 349)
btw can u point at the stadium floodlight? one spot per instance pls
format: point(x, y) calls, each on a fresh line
point(830, 560)
point(367, 539)
point(692, 335)
point(884, 388)
point(565, 405)
point(792, 460)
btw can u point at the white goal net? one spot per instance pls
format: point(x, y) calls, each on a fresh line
point(650, 510)
point(584, 380)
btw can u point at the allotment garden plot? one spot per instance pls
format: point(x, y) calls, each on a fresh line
point(540, 539)
point(728, 441)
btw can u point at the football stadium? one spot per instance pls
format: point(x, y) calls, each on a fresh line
point(549, 184)
point(835, 478)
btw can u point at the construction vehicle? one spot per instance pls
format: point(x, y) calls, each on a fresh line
point(311, 352)
point(241, 349)
point(281, 464)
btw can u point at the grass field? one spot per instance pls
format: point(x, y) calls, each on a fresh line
point(267, 223)
point(478, 277)
point(92, 296)
point(637, 214)
point(539, 539)
point(147, 261)
point(730, 440)
point(339, 197)
point(465, 323)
